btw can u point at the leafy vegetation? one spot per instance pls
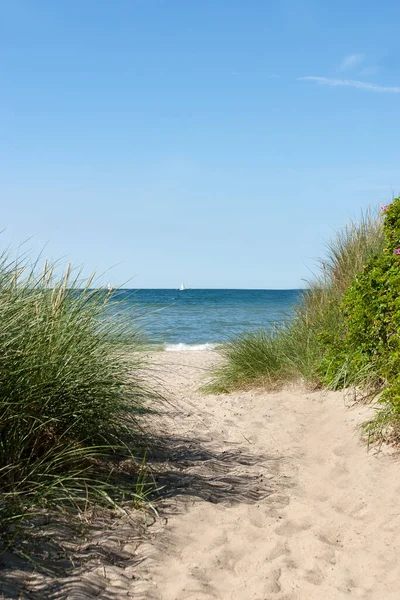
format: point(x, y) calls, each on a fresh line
point(70, 393)
point(367, 347)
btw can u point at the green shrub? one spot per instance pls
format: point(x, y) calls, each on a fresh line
point(367, 347)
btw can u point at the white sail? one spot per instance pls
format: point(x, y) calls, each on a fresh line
point(182, 288)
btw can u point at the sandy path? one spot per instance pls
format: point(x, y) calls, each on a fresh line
point(274, 498)
point(266, 496)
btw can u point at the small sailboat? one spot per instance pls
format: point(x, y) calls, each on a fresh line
point(182, 288)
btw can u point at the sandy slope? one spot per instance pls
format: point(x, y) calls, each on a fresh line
point(280, 500)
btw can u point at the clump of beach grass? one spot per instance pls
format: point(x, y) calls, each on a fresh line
point(295, 349)
point(71, 391)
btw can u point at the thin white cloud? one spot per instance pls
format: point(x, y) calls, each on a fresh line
point(351, 61)
point(361, 85)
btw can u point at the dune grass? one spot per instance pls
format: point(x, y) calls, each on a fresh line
point(71, 391)
point(295, 350)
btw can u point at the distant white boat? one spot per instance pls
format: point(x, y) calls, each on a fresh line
point(182, 288)
point(109, 287)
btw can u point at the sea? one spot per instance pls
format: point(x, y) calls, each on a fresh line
point(196, 319)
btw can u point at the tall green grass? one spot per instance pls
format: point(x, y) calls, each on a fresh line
point(295, 350)
point(71, 390)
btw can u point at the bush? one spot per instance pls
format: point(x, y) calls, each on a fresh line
point(368, 343)
point(70, 391)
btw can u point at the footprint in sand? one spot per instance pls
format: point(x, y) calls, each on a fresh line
point(291, 528)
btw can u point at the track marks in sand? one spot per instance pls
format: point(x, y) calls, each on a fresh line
point(300, 512)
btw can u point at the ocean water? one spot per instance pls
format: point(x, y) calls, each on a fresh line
point(199, 319)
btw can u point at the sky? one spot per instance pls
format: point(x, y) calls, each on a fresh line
point(217, 143)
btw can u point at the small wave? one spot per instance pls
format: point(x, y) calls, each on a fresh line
point(182, 347)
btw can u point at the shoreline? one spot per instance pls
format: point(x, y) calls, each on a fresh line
point(184, 347)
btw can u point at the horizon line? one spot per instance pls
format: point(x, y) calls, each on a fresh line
point(206, 288)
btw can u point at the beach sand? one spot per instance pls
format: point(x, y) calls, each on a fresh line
point(267, 495)
point(281, 499)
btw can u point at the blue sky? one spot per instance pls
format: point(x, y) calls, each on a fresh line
point(219, 143)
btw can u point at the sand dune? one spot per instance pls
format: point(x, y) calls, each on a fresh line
point(285, 502)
